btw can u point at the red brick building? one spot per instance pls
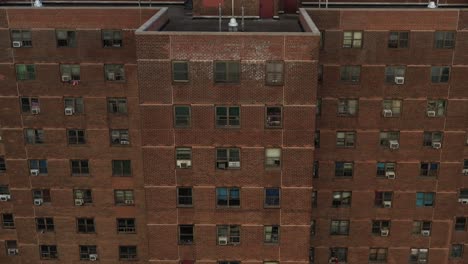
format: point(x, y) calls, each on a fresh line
point(330, 136)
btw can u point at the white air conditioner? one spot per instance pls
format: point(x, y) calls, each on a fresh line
point(436, 145)
point(387, 204)
point(34, 172)
point(124, 142)
point(4, 197)
point(384, 232)
point(66, 78)
point(463, 200)
point(93, 257)
point(38, 201)
point(111, 76)
point(17, 44)
point(69, 110)
point(35, 110)
point(431, 113)
point(79, 202)
point(387, 113)
point(12, 251)
point(465, 171)
point(399, 80)
point(393, 144)
point(425, 232)
point(222, 240)
point(182, 164)
point(390, 175)
point(128, 201)
point(234, 164)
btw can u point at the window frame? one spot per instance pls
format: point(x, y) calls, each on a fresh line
point(229, 158)
point(426, 202)
point(440, 77)
point(442, 41)
point(185, 73)
point(129, 255)
point(340, 200)
point(345, 107)
point(227, 78)
point(124, 225)
point(399, 40)
point(186, 241)
point(8, 224)
point(339, 227)
point(50, 253)
point(184, 197)
point(113, 105)
point(275, 72)
point(350, 74)
point(117, 69)
point(230, 119)
point(117, 136)
point(273, 234)
point(126, 194)
point(232, 232)
point(185, 117)
point(25, 41)
point(112, 40)
point(76, 137)
point(272, 201)
point(77, 103)
point(353, 39)
point(346, 166)
point(122, 168)
point(71, 39)
point(346, 139)
point(80, 166)
point(85, 225)
point(271, 120)
point(230, 197)
point(28, 72)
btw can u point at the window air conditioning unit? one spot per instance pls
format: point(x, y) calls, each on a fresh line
point(69, 110)
point(221, 165)
point(463, 200)
point(384, 232)
point(387, 204)
point(124, 142)
point(79, 202)
point(387, 113)
point(12, 251)
point(35, 110)
point(390, 175)
point(5, 197)
point(38, 201)
point(111, 76)
point(436, 145)
point(34, 172)
point(234, 164)
point(222, 240)
point(17, 44)
point(399, 80)
point(431, 113)
point(393, 144)
point(93, 257)
point(183, 164)
point(465, 171)
point(128, 201)
point(66, 78)
point(425, 232)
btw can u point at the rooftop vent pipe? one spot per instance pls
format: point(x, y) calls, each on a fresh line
point(431, 5)
point(232, 22)
point(37, 3)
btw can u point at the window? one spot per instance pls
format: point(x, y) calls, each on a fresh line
point(319, 107)
point(11, 245)
point(41, 194)
point(384, 167)
point(30, 103)
point(314, 198)
point(460, 224)
point(465, 164)
point(440, 74)
point(228, 158)
point(122, 168)
point(317, 139)
point(347, 107)
point(66, 38)
point(344, 169)
point(119, 137)
point(346, 139)
point(425, 199)
point(82, 196)
point(40, 165)
point(312, 228)
point(338, 254)
point(8, 221)
point(117, 105)
point(48, 252)
point(183, 158)
point(69, 72)
point(128, 253)
point(418, 255)
point(272, 157)
point(76, 136)
point(45, 224)
point(227, 71)
point(182, 116)
point(271, 234)
point(228, 234)
point(75, 104)
point(2, 164)
point(444, 39)
point(456, 251)
point(316, 169)
point(274, 72)
point(352, 39)
point(25, 72)
point(4, 189)
point(429, 169)
point(339, 227)
point(398, 39)
point(322, 39)
point(274, 117)
point(350, 73)
point(421, 228)
point(390, 139)
point(184, 197)
point(123, 197)
point(22, 37)
point(114, 72)
point(437, 107)
point(431, 137)
point(383, 199)
point(186, 234)
point(126, 225)
point(463, 194)
point(228, 197)
point(391, 107)
point(227, 116)
point(180, 71)
point(392, 72)
point(86, 251)
point(79, 167)
point(272, 197)
point(341, 199)
point(380, 225)
point(320, 73)
point(85, 225)
point(111, 38)
point(378, 255)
